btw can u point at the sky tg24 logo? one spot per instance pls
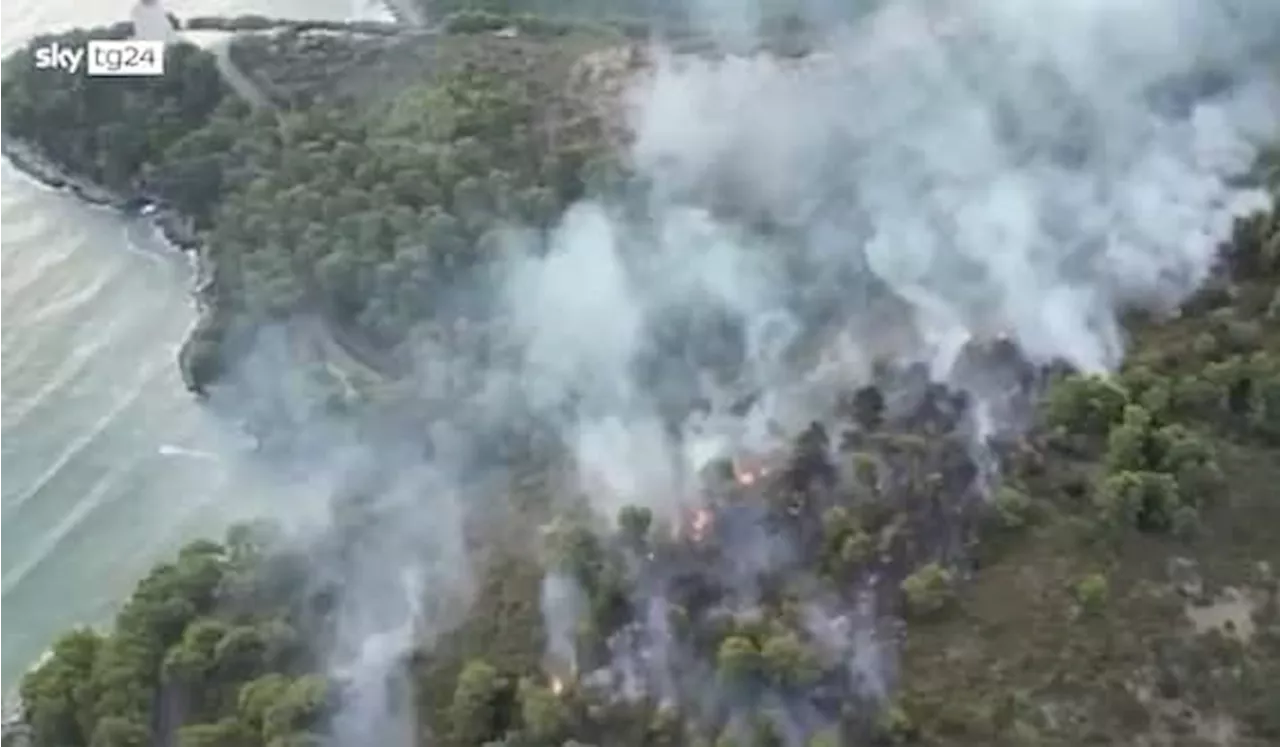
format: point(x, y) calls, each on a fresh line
point(115, 57)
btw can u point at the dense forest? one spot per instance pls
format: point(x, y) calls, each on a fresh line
point(1106, 575)
point(356, 210)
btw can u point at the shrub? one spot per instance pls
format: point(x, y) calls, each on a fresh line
point(846, 546)
point(894, 726)
point(1264, 404)
point(1146, 500)
point(474, 710)
point(1130, 446)
point(1012, 507)
point(866, 469)
point(544, 715)
point(788, 661)
point(929, 590)
point(1091, 593)
point(738, 659)
point(1186, 523)
point(475, 22)
point(1195, 396)
point(1205, 346)
point(1243, 335)
point(1085, 404)
point(1190, 459)
point(1138, 379)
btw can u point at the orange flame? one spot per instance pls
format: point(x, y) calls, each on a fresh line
point(748, 471)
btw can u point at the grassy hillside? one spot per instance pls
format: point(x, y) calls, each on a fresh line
point(1123, 614)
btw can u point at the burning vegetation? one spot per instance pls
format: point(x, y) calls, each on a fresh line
point(775, 605)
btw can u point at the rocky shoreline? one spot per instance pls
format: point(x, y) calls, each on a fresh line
point(14, 729)
point(28, 159)
point(173, 228)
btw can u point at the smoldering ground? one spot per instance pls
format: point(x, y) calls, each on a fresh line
point(931, 175)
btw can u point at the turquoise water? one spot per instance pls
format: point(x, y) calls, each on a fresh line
point(107, 462)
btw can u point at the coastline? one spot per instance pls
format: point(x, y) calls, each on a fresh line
point(176, 240)
point(175, 237)
point(14, 729)
point(172, 229)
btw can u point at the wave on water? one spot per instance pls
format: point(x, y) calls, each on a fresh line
point(52, 540)
point(181, 451)
point(89, 436)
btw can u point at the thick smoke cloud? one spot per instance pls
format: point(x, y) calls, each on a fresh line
point(932, 174)
point(938, 172)
point(999, 169)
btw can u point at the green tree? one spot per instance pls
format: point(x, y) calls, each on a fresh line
point(1091, 593)
point(193, 658)
point(257, 697)
point(115, 731)
point(634, 521)
point(298, 709)
point(788, 662)
point(58, 695)
point(738, 659)
point(1130, 445)
point(1146, 500)
point(826, 738)
point(228, 732)
point(1191, 461)
point(1085, 404)
point(1013, 507)
point(542, 712)
point(929, 590)
point(474, 711)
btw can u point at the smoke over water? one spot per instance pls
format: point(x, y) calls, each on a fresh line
point(932, 174)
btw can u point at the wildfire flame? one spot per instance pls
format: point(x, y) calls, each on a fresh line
point(747, 473)
point(557, 685)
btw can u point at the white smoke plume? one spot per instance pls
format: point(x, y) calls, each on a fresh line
point(382, 528)
point(932, 174)
point(991, 167)
point(563, 606)
point(151, 22)
point(402, 584)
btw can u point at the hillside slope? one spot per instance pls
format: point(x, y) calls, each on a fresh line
point(1094, 564)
